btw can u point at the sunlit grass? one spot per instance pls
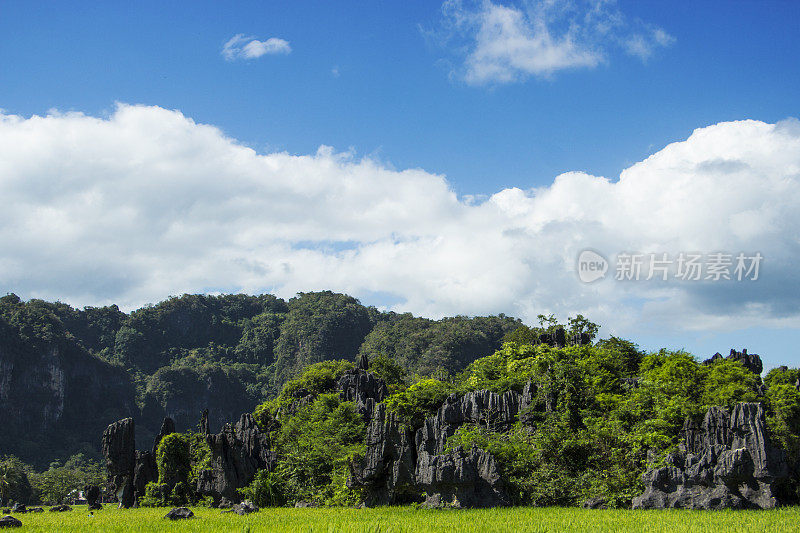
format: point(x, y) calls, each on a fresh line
point(407, 519)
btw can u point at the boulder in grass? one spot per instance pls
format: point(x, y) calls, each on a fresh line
point(595, 503)
point(225, 503)
point(9, 521)
point(35, 510)
point(180, 513)
point(60, 509)
point(19, 508)
point(246, 507)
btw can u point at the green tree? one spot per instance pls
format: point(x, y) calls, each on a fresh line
point(173, 459)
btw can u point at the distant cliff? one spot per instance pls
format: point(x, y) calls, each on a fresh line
point(66, 373)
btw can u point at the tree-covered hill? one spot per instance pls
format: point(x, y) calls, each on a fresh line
point(66, 373)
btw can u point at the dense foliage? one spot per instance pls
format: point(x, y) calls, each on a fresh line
point(194, 352)
point(60, 483)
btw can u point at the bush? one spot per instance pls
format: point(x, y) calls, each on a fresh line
point(14, 482)
point(418, 401)
point(315, 444)
point(387, 369)
point(155, 495)
point(173, 459)
point(266, 490)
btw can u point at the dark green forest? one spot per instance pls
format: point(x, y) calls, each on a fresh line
point(67, 373)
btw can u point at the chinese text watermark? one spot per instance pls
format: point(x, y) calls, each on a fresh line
point(683, 266)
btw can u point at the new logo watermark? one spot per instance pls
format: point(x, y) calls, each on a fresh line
point(684, 266)
point(591, 266)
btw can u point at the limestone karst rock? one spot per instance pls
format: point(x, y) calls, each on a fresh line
point(119, 449)
point(179, 513)
point(362, 388)
point(400, 467)
point(750, 361)
point(460, 479)
point(9, 521)
point(387, 470)
point(725, 462)
point(237, 453)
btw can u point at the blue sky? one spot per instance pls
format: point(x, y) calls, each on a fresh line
point(394, 96)
point(396, 82)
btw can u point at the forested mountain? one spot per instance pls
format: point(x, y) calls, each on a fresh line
point(66, 373)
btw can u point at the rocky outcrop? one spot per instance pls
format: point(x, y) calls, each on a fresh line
point(146, 471)
point(362, 388)
point(9, 522)
point(129, 470)
point(750, 361)
point(460, 479)
point(388, 468)
point(725, 462)
point(484, 408)
point(60, 509)
point(167, 428)
point(246, 507)
point(237, 453)
point(399, 467)
point(92, 494)
point(119, 448)
point(557, 338)
point(179, 513)
point(57, 394)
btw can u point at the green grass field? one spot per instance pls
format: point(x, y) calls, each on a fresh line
point(396, 519)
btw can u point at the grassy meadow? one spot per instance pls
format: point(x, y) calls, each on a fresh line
point(396, 519)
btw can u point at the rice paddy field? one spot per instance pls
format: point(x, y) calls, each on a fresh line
point(407, 519)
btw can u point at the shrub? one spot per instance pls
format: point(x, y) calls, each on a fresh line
point(155, 495)
point(173, 459)
point(266, 490)
point(418, 401)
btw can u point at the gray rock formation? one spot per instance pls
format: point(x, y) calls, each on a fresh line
point(595, 503)
point(119, 449)
point(557, 338)
point(237, 453)
point(167, 427)
point(204, 427)
point(362, 388)
point(129, 470)
point(179, 513)
point(484, 408)
point(399, 469)
point(60, 509)
point(460, 479)
point(580, 339)
point(246, 507)
point(751, 361)
point(92, 493)
point(146, 471)
point(726, 462)
point(387, 471)
point(9, 521)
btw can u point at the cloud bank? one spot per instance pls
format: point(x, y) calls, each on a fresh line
point(506, 43)
point(241, 47)
point(146, 203)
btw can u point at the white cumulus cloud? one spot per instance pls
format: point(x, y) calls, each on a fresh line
point(505, 43)
point(146, 203)
point(241, 47)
